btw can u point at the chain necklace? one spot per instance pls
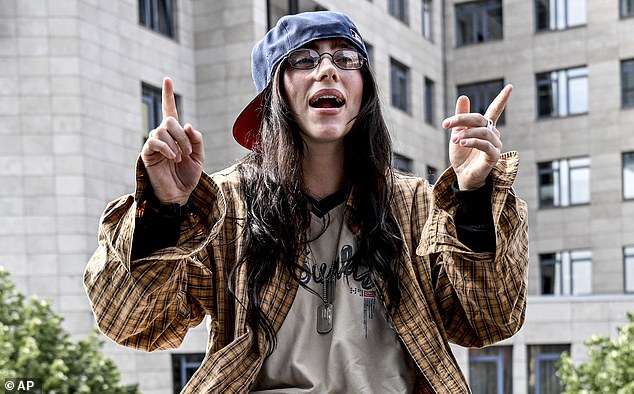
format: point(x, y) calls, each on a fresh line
point(326, 309)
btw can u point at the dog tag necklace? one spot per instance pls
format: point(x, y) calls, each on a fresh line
point(326, 309)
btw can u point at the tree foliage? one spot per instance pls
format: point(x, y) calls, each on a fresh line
point(33, 345)
point(610, 365)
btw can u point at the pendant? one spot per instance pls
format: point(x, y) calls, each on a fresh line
point(324, 318)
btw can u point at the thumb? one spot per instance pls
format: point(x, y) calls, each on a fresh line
point(463, 105)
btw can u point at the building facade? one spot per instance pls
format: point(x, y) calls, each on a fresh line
point(80, 88)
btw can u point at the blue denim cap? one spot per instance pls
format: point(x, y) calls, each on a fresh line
point(291, 32)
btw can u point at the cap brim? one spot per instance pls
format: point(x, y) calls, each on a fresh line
point(247, 126)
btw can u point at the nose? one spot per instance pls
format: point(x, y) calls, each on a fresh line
point(326, 68)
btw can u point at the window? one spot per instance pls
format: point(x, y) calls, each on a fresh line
point(403, 163)
point(566, 272)
point(429, 101)
point(481, 94)
point(491, 370)
point(628, 175)
point(183, 367)
point(559, 14)
point(627, 8)
point(627, 83)
point(564, 182)
point(542, 364)
point(152, 102)
point(399, 80)
point(279, 8)
point(478, 21)
point(432, 174)
point(562, 92)
point(628, 267)
point(157, 15)
point(398, 9)
point(426, 20)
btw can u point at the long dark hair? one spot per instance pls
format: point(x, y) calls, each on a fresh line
point(277, 217)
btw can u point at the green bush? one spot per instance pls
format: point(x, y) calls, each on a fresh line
point(610, 365)
point(33, 345)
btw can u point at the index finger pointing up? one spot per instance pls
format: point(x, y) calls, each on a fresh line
point(497, 106)
point(169, 103)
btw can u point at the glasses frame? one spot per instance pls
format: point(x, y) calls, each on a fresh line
point(362, 59)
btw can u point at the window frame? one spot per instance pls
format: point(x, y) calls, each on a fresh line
point(152, 98)
point(630, 64)
point(288, 7)
point(427, 18)
point(630, 156)
point(628, 257)
point(481, 95)
point(564, 263)
point(552, 80)
point(403, 75)
point(478, 11)
point(533, 353)
point(180, 366)
point(562, 176)
point(402, 163)
point(431, 174)
point(566, 23)
point(503, 351)
point(399, 10)
point(150, 16)
point(622, 9)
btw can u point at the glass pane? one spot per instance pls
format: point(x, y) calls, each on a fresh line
point(582, 277)
point(549, 383)
point(576, 12)
point(464, 25)
point(427, 19)
point(628, 259)
point(627, 7)
point(483, 377)
point(494, 23)
point(578, 95)
point(547, 274)
point(580, 185)
point(628, 175)
point(542, 11)
point(545, 96)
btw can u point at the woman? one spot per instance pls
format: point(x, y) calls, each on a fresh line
point(321, 268)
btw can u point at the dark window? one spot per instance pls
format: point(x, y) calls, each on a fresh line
point(279, 8)
point(403, 163)
point(481, 94)
point(564, 182)
point(627, 83)
point(628, 267)
point(427, 19)
point(627, 8)
point(562, 92)
point(542, 365)
point(399, 81)
point(559, 14)
point(432, 174)
point(491, 370)
point(478, 21)
point(429, 101)
point(398, 9)
point(566, 272)
point(628, 175)
point(152, 102)
point(183, 367)
point(158, 15)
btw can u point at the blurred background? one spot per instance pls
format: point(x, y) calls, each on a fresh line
point(80, 89)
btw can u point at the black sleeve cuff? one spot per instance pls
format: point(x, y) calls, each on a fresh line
point(474, 218)
point(157, 225)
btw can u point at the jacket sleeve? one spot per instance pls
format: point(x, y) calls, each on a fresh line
point(481, 297)
point(150, 303)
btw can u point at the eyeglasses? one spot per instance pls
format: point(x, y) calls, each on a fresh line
point(307, 59)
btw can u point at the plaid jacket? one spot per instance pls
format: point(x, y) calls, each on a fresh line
point(450, 294)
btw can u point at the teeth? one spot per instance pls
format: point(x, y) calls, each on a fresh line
point(337, 99)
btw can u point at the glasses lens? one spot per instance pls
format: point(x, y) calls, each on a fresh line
point(303, 59)
point(347, 59)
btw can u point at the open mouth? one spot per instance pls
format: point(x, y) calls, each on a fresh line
point(326, 101)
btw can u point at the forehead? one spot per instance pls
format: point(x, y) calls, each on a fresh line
point(329, 43)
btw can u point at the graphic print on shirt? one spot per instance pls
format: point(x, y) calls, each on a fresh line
point(357, 279)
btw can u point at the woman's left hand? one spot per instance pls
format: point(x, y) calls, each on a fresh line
point(475, 144)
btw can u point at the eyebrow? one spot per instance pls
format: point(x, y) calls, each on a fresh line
point(338, 43)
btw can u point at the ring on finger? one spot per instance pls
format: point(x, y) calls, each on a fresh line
point(489, 124)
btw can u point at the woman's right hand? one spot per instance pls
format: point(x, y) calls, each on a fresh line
point(173, 155)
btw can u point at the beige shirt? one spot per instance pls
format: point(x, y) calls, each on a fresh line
point(362, 353)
